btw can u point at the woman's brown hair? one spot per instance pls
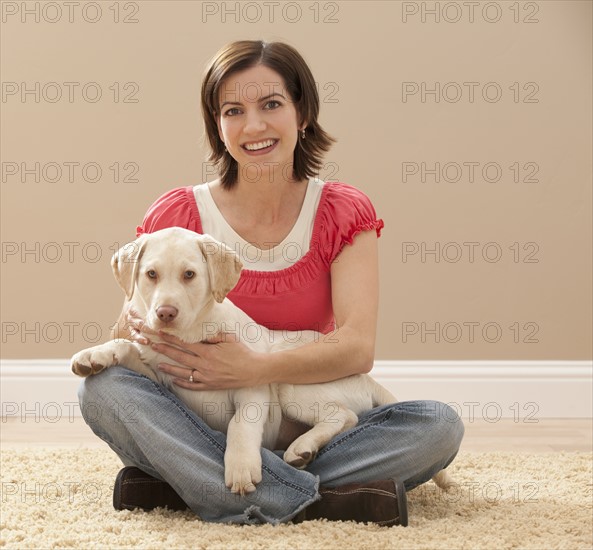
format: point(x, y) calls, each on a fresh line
point(293, 69)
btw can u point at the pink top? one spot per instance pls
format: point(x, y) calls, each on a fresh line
point(297, 297)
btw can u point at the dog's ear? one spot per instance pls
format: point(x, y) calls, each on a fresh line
point(224, 266)
point(125, 264)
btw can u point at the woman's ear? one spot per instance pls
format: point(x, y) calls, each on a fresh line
point(303, 120)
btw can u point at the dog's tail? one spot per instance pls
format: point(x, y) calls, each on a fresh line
point(444, 480)
point(382, 396)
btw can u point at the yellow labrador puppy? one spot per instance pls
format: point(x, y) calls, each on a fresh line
point(177, 280)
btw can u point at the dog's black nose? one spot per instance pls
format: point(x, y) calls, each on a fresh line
point(166, 313)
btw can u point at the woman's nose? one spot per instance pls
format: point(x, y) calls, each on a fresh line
point(254, 123)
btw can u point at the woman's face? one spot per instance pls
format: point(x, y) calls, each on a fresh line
point(258, 123)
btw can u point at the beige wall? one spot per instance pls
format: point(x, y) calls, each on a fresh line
point(369, 58)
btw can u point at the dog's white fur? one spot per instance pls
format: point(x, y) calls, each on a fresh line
point(192, 273)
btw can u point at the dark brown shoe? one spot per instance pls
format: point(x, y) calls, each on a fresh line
point(382, 502)
point(136, 489)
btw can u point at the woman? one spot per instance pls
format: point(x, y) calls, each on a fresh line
point(310, 254)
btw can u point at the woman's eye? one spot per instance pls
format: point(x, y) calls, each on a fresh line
point(232, 112)
point(274, 104)
point(189, 274)
point(151, 273)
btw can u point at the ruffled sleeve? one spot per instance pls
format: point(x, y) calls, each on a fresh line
point(347, 212)
point(176, 208)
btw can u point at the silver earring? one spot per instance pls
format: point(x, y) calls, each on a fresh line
point(303, 136)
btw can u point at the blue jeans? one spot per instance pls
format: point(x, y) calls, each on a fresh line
point(149, 427)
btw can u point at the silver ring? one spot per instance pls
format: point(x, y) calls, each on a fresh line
point(191, 376)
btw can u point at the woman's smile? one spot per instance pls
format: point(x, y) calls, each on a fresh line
point(261, 147)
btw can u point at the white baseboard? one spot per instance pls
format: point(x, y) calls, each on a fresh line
point(490, 390)
point(522, 390)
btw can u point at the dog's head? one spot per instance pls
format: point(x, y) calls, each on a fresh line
point(171, 275)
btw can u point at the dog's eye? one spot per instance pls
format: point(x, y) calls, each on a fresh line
point(151, 273)
point(189, 274)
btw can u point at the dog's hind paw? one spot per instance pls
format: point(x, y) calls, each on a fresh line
point(299, 459)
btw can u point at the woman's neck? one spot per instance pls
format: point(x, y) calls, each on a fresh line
point(268, 203)
point(263, 202)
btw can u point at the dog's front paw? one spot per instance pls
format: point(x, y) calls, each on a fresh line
point(93, 360)
point(241, 473)
point(300, 453)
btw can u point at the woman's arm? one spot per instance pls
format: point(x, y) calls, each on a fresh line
point(347, 350)
point(350, 349)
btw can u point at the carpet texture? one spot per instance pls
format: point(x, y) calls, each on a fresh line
point(53, 498)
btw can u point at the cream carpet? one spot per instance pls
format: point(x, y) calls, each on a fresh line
point(62, 499)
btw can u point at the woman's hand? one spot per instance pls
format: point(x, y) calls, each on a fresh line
point(222, 363)
point(136, 327)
